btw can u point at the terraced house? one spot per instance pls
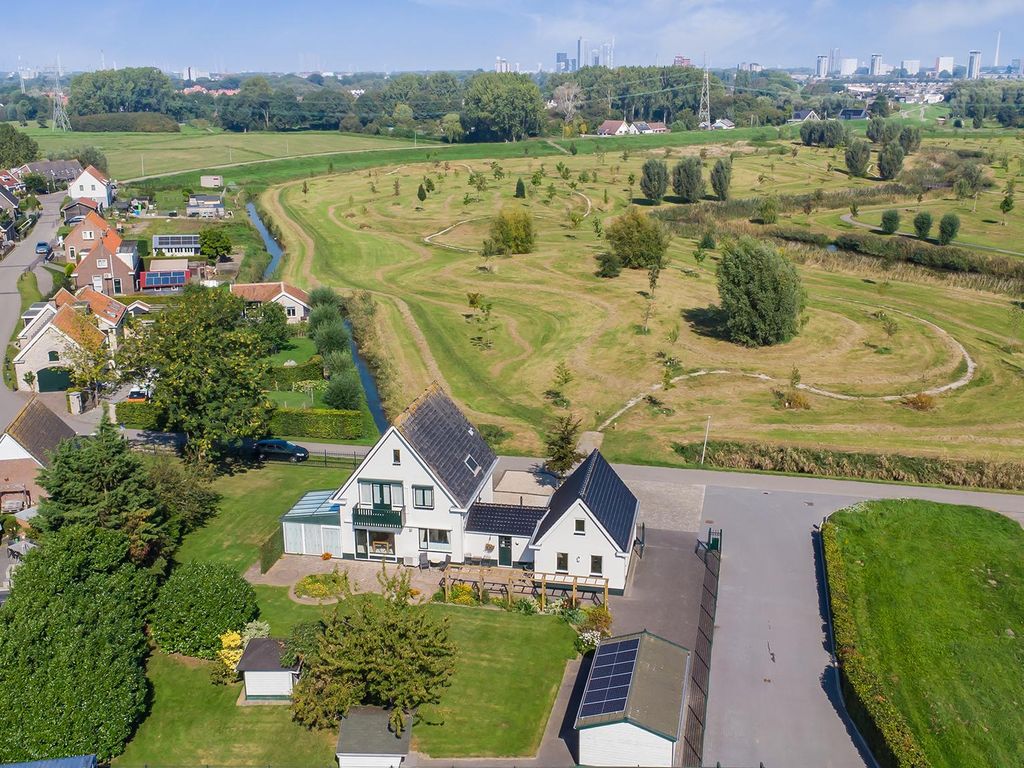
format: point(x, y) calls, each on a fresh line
point(425, 494)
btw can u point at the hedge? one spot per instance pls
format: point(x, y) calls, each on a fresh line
point(867, 701)
point(142, 122)
point(868, 466)
point(272, 549)
point(139, 415)
point(317, 422)
point(925, 254)
point(283, 377)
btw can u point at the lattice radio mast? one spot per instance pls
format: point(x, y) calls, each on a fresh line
point(60, 115)
point(704, 113)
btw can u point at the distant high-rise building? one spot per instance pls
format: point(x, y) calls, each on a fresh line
point(910, 67)
point(1017, 67)
point(944, 64)
point(561, 62)
point(847, 67)
point(876, 65)
point(595, 58)
point(582, 52)
point(682, 61)
point(974, 65)
point(821, 67)
point(501, 65)
point(833, 61)
point(607, 54)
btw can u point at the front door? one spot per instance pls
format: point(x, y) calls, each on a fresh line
point(505, 551)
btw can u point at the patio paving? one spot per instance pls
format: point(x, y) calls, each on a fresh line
point(362, 574)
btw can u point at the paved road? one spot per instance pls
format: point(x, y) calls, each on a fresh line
point(22, 259)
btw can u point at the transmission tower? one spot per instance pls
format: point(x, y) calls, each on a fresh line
point(704, 113)
point(60, 115)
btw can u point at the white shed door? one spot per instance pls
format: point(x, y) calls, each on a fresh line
point(312, 540)
point(293, 538)
point(332, 539)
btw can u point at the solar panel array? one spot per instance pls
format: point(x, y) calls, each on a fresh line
point(163, 279)
point(608, 687)
point(175, 241)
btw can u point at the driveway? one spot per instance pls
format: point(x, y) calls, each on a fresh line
point(22, 259)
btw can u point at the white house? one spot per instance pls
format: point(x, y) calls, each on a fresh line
point(26, 447)
point(264, 677)
point(365, 740)
point(92, 185)
point(617, 128)
point(424, 493)
point(723, 124)
point(294, 301)
point(632, 708)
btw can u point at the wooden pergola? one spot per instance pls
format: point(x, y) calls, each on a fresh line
point(510, 578)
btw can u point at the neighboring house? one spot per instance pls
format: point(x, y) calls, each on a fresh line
point(205, 206)
point(25, 448)
point(616, 128)
point(176, 245)
point(77, 210)
point(109, 313)
point(45, 352)
point(87, 234)
point(115, 273)
point(424, 492)
point(11, 183)
point(263, 676)
point(59, 173)
point(294, 301)
point(658, 128)
point(211, 182)
point(723, 124)
point(9, 202)
point(365, 740)
point(803, 115)
point(632, 708)
point(165, 274)
point(93, 185)
point(854, 114)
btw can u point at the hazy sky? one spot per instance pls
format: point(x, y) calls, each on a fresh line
point(294, 35)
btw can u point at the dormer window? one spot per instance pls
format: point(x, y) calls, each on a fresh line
point(396, 457)
point(473, 464)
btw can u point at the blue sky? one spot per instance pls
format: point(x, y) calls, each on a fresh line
point(389, 35)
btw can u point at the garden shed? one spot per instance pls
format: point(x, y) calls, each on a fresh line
point(365, 740)
point(633, 705)
point(264, 677)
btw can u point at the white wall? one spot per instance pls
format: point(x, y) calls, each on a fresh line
point(369, 761)
point(301, 311)
point(476, 546)
point(268, 683)
point(10, 449)
point(562, 538)
point(83, 188)
point(34, 356)
point(623, 744)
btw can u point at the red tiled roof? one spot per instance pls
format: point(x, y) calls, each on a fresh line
point(262, 292)
point(107, 234)
point(97, 174)
point(76, 327)
point(101, 305)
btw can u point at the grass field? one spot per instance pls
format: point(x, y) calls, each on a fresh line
point(28, 294)
point(549, 306)
point(938, 599)
point(132, 155)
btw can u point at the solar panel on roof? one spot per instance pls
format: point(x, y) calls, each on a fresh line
point(608, 687)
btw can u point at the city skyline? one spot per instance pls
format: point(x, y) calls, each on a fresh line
point(464, 35)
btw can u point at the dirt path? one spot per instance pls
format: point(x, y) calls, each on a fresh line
point(961, 382)
point(429, 239)
point(301, 271)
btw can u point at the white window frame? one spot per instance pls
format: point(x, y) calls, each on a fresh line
point(118, 288)
point(472, 464)
point(427, 493)
point(435, 540)
point(102, 263)
point(559, 555)
point(600, 561)
point(289, 311)
point(580, 527)
point(396, 456)
point(88, 234)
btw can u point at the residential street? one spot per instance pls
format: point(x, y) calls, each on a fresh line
point(22, 259)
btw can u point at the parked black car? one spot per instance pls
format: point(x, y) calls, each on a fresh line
point(279, 450)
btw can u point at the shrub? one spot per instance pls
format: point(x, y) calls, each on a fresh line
point(322, 586)
point(331, 336)
point(520, 189)
point(284, 377)
point(462, 594)
point(140, 416)
point(891, 221)
point(197, 604)
point(637, 240)
point(271, 549)
point(586, 642)
point(890, 161)
point(791, 400)
point(597, 618)
point(255, 629)
point(493, 434)
point(767, 210)
point(344, 391)
point(317, 422)
point(760, 294)
point(707, 241)
point(923, 224)
point(920, 402)
point(525, 606)
point(511, 232)
point(949, 227)
point(338, 361)
point(654, 180)
point(858, 155)
point(608, 265)
point(139, 122)
point(325, 312)
point(687, 181)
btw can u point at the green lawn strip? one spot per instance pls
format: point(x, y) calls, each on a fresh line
point(28, 290)
point(251, 507)
point(299, 349)
point(193, 722)
point(934, 590)
point(297, 399)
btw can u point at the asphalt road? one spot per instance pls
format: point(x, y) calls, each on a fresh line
point(22, 259)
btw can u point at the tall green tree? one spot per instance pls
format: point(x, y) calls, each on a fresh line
point(16, 148)
point(502, 106)
point(73, 648)
point(654, 179)
point(209, 367)
point(858, 155)
point(949, 228)
point(511, 231)
point(271, 325)
point(760, 293)
point(910, 139)
point(637, 240)
point(214, 244)
point(890, 221)
point(890, 161)
point(923, 224)
point(721, 178)
point(561, 441)
point(386, 651)
point(688, 180)
point(451, 128)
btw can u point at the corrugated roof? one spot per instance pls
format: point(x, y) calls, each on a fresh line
point(657, 685)
point(39, 430)
point(606, 496)
point(367, 731)
point(445, 439)
point(314, 504)
point(503, 519)
point(263, 654)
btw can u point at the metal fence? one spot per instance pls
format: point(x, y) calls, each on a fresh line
point(700, 668)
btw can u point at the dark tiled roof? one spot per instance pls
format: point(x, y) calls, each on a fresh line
point(504, 519)
point(39, 430)
point(655, 698)
point(443, 437)
point(365, 731)
point(606, 496)
point(263, 654)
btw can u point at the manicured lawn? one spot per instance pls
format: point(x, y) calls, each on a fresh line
point(297, 399)
point(938, 602)
point(194, 722)
point(251, 507)
point(28, 290)
point(299, 349)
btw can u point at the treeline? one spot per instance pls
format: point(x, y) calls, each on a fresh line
point(140, 122)
point(986, 99)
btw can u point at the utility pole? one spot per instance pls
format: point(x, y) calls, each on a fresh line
point(704, 113)
point(60, 121)
point(704, 450)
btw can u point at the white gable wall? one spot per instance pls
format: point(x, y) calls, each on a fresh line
point(369, 761)
point(276, 684)
point(298, 310)
point(88, 187)
point(563, 538)
point(10, 449)
point(623, 744)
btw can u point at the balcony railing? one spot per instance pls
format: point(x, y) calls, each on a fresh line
point(379, 517)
